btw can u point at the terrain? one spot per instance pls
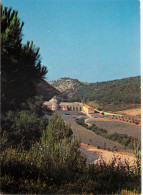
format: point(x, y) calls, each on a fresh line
point(43, 88)
point(97, 147)
point(107, 156)
point(118, 127)
point(134, 112)
point(113, 95)
point(40, 154)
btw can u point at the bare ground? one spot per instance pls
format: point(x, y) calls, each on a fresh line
point(107, 156)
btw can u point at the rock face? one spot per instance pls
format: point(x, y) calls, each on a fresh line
point(67, 86)
point(43, 88)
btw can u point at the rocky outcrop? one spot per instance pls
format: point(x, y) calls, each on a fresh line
point(66, 85)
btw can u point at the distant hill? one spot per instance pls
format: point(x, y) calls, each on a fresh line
point(110, 95)
point(43, 88)
point(66, 85)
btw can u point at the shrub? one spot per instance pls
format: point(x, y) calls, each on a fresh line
point(137, 151)
point(81, 122)
point(23, 126)
point(55, 159)
point(56, 165)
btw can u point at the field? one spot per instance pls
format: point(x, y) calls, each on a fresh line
point(118, 127)
point(93, 144)
point(136, 112)
point(88, 136)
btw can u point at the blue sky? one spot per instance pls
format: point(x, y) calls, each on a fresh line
point(91, 40)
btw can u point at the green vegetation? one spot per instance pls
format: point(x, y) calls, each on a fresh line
point(24, 126)
point(45, 161)
point(56, 165)
point(125, 140)
point(109, 96)
point(40, 155)
point(21, 66)
point(137, 151)
point(46, 90)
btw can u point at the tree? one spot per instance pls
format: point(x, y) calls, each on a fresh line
point(21, 65)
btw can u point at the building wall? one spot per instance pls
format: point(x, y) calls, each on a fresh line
point(66, 106)
point(71, 106)
point(88, 109)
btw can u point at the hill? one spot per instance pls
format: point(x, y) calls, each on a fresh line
point(43, 88)
point(110, 95)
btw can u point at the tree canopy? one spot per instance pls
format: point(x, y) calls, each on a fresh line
point(21, 64)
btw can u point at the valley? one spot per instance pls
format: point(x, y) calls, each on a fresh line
point(116, 113)
point(89, 139)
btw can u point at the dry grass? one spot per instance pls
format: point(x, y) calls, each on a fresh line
point(125, 192)
point(131, 112)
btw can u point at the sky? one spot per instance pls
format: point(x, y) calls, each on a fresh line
point(88, 40)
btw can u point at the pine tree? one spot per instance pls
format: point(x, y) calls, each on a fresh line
point(21, 65)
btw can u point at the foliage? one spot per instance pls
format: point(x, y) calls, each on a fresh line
point(24, 126)
point(56, 130)
point(21, 65)
point(55, 159)
point(35, 105)
point(80, 121)
point(137, 151)
point(35, 171)
point(55, 164)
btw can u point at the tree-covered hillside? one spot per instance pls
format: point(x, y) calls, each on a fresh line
point(110, 95)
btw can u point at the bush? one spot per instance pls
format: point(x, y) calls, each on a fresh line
point(55, 159)
point(81, 122)
point(56, 165)
point(23, 127)
point(42, 172)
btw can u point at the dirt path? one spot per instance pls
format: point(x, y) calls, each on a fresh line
point(107, 156)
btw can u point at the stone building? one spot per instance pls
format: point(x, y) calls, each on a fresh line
point(70, 106)
point(87, 109)
point(67, 106)
point(52, 104)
